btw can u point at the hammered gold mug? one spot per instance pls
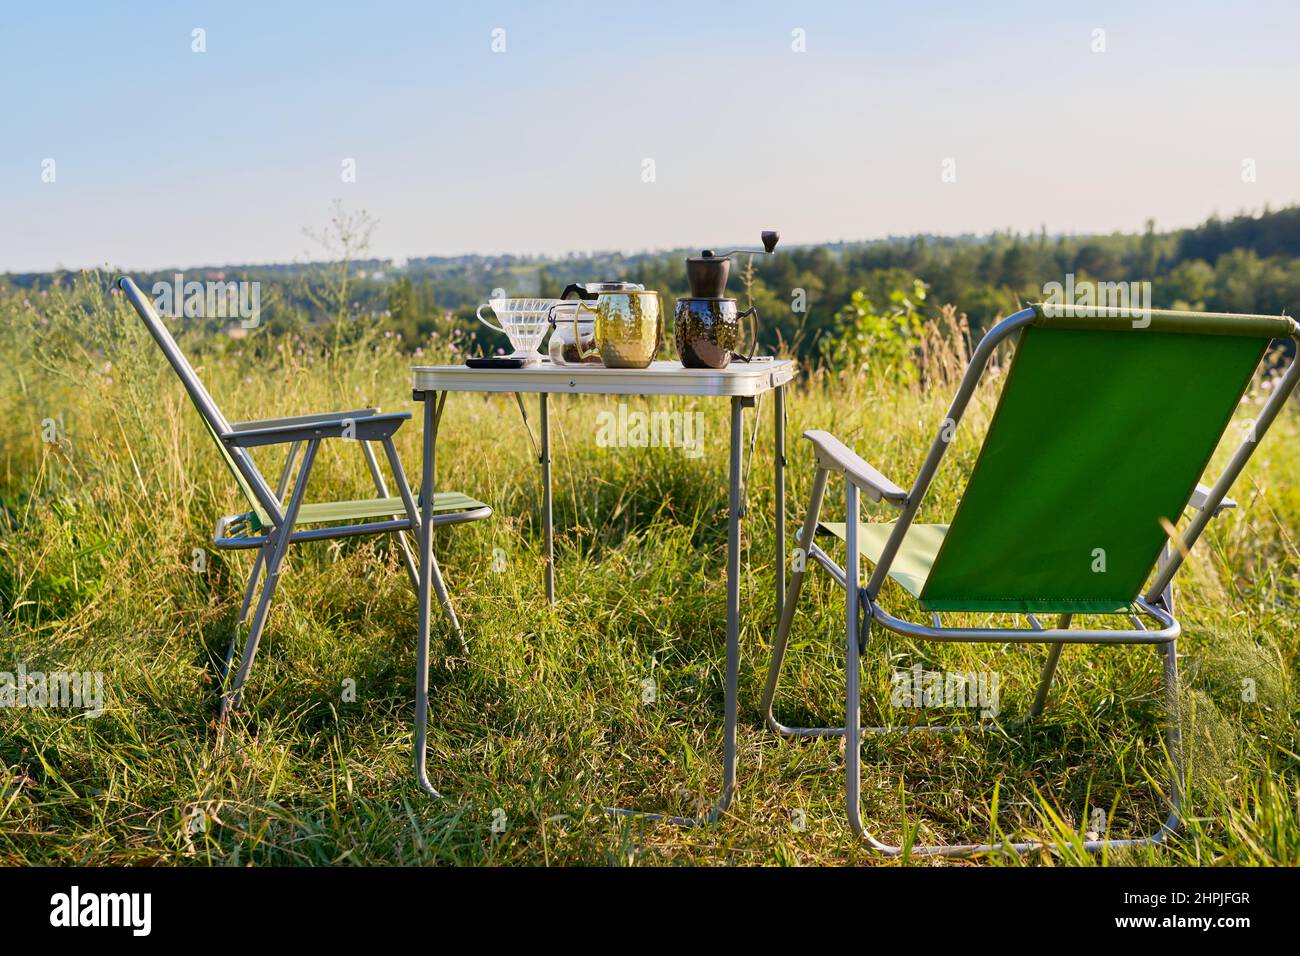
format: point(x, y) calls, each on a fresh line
point(629, 327)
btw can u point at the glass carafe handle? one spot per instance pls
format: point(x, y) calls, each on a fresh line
point(577, 339)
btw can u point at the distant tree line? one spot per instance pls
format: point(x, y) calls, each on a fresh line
point(806, 295)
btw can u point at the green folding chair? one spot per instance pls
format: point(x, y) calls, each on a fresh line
point(1103, 428)
point(272, 523)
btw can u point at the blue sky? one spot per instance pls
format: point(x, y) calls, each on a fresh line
point(167, 157)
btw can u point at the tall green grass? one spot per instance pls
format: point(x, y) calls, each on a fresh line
point(546, 719)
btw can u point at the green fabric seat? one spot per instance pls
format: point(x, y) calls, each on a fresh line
point(912, 565)
point(330, 511)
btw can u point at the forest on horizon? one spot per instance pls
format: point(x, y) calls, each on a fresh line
point(807, 296)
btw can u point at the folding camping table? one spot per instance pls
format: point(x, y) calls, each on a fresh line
point(740, 382)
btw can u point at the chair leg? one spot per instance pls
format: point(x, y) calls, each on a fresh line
point(408, 560)
point(252, 583)
point(230, 698)
point(249, 590)
point(1049, 671)
point(1173, 741)
point(853, 770)
point(440, 589)
point(439, 586)
point(279, 546)
point(853, 667)
point(377, 476)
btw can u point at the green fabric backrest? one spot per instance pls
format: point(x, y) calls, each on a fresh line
point(1101, 431)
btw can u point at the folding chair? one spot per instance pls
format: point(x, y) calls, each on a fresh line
point(271, 524)
point(1103, 427)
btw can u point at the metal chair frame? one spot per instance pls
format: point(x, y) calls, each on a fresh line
point(367, 427)
point(863, 609)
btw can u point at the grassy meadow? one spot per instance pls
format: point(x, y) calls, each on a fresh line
point(546, 718)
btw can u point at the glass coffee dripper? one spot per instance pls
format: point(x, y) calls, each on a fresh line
point(523, 321)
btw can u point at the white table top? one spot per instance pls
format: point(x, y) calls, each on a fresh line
point(737, 380)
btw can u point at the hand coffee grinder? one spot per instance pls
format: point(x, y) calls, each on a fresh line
point(706, 324)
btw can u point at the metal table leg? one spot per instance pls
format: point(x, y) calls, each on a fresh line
point(548, 523)
point(431, 415)
point(778, 486)
point(735, 512)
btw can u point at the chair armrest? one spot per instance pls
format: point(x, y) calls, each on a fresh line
point(365, 428)
point(834, 455)
point(302, 419)
point(1202, 494)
